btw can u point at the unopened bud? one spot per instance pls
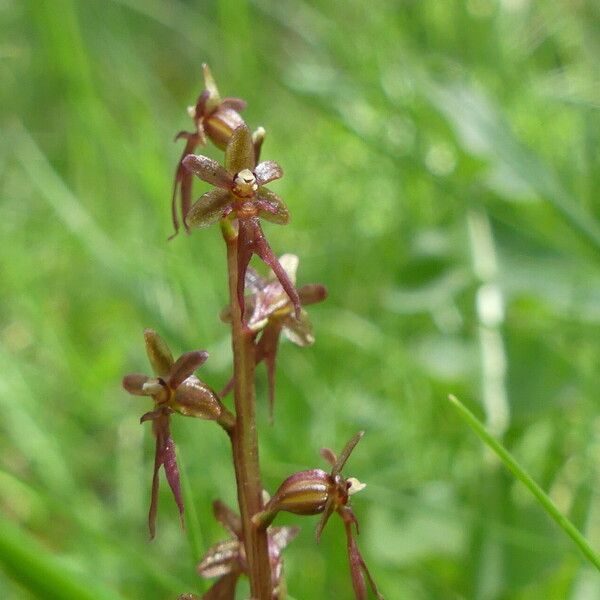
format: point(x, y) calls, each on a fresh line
point(303, 493)
point(195, 399)
point(221, 124)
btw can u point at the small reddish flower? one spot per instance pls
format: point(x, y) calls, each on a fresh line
point(214, 118)
point(174, 389)
point(270, 312)
point(240, 192)
point(227, 559)
point(317, 492)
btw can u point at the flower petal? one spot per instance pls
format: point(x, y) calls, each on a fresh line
point(299, 330)
point(169, 461)
point(183, 181)
point(155, 484)
point(266, 350)
point(228, 518)
point(272, 207)
point(312, 293)
point(158, 352)
point(208, 170)
point(345, 454)
point(134, 384)
point(263, 250)
point(258, 137)
point(282, 536)
point(195, 399)
point(249, 231)
point(327, 512)
point(214, 98)
point(267, 171)
point(185, 366)
point(239, 153)
point(224, 588)
point(358, 568)
point(220, 125)
point(236, 104)
point(289, 262)
point(329, 455)
point(208, 209)
point(220, 559)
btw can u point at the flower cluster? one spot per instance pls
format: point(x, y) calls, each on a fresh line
point(261, 309)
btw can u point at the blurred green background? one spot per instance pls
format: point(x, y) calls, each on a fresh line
point(441, 167)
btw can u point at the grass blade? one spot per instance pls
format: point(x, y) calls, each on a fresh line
point(31, 565)
point(517, 470)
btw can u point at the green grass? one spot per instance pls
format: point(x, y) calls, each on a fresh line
point(442, 169)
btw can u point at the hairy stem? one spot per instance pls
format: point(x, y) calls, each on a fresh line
point(244, 438)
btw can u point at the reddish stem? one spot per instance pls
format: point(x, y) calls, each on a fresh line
point(244, 438)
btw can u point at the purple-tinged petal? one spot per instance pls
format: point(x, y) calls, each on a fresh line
point(266, 350)
point(290, 263)
point(329, 455)
point(272, 207)
point(253, 282)
point(224, 588)
point(282, 536)
point(358, 568)
point(154, 493)
point(194, 398)
point(227, 389)
point(312, 293)
point(208, 170)
point(158, 352)
point(185, 365)
point(183, 181)
point(228, 518)
point(267, 171)
point(199, 110)
point(278, 539)
point(327, 512)
point(208, 209)
point(152, 415)
point(165, 456)
point(266, 303)
point(236, 104)
point(345, 454)
point(169, 461)
point(264, 251)
point(134, 384)
point(248, 229)
point(300, 330)
point(220, 559)
point(239, 154)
